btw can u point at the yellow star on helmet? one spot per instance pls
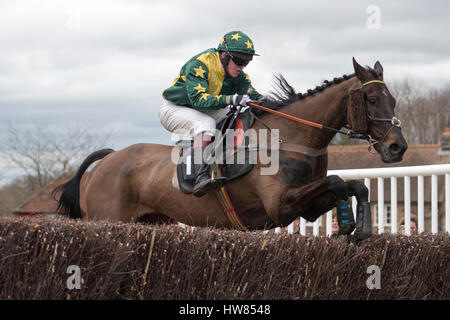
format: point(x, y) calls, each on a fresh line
point(235, 36)
point(204, 96)
point(199, 72)
point(199, 88)
point(249, 44)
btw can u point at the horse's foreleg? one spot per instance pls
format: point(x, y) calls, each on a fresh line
point(344, 212)
point(344, 215)
point(303, 201)
point(316, 198)
point(363, 213)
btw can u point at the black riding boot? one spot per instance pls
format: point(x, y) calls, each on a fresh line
point(345, 217)
point(203, 172)
point(202, 180)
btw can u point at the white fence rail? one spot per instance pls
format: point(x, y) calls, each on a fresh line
point(393, 174)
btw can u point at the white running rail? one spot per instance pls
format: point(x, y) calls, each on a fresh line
point(393, 174)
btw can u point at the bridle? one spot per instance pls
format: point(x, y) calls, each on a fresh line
point(351, 132)
point(395, 122)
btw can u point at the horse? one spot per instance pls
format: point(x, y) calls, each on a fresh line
point(135, 183)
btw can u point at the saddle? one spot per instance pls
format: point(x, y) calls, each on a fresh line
point(229, 154)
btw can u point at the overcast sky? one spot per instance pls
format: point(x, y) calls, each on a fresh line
point(104, 63)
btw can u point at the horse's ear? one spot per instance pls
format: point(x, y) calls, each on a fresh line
point(361, 72)
point(378, 69)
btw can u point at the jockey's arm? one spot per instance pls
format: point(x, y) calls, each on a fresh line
point(198, 89)
point(247, 88)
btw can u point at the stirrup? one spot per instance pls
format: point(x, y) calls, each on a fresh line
point(199, 189)
point(216, 182)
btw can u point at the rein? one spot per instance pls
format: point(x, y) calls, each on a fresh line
point(352, 135)
point(349, 133)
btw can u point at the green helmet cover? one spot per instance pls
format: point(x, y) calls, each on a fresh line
point(237, 41)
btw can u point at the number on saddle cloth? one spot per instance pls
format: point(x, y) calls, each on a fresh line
point(229, 150)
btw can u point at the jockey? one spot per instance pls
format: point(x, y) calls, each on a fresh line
point(208, 85)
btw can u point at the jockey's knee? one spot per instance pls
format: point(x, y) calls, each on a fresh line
point(202, 139)
point(207, 127)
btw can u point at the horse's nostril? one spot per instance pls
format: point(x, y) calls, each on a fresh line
point(396, 149)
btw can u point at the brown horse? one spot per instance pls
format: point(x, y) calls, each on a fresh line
point(135, 183)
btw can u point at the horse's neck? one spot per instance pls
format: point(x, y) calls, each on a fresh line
point(327, 108)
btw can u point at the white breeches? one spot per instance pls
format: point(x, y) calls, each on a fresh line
point(189, 122)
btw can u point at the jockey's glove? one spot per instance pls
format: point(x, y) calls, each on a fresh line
point(233, 109)
point(241, 99)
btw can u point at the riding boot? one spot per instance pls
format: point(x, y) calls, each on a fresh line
point(202, 180)
point(205, 176)
point(345, 217)
point(202, 169)
point(363, 221)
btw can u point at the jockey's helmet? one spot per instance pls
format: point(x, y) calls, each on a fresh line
point(239, 44)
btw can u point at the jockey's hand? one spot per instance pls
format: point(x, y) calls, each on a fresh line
point(241, 99)
point(233, 109)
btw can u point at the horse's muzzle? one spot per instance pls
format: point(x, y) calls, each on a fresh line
point(393, 152)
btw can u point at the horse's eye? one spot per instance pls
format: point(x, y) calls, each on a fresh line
point(372, 100)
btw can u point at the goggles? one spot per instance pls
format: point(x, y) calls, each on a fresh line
point(238, 61)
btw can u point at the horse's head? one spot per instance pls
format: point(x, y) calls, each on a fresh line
point(371, 111)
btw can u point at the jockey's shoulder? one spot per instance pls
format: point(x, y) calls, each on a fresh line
point(210, 53)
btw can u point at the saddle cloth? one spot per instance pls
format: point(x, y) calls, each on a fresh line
point(229, 151)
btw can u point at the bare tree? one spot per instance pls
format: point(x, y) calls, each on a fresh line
point(424, 113)
point(441, 101)
point(43, 154)
point(13, 194)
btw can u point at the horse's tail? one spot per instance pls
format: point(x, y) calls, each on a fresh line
point(69, 201)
